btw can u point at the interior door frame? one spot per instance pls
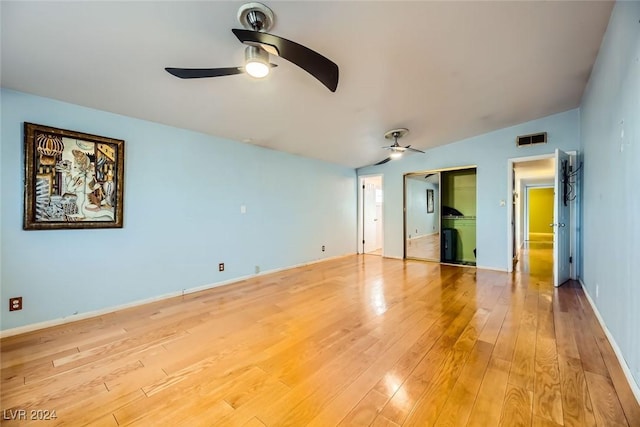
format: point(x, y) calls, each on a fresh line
point(526, 204)
point(361, 222)
point(573, 215)
point(404, 202)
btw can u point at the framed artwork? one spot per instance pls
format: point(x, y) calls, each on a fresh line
point(429, 201)
point(71, 179)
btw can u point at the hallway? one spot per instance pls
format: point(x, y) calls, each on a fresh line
point(536, 259)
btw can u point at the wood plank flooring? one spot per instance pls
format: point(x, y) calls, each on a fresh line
point(357, 341)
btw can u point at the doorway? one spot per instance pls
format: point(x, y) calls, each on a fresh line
point(370, 207)
point(440, 215)
point(544, 215)
point(539, 213)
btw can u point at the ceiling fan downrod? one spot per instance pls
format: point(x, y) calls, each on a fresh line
point(255, 18)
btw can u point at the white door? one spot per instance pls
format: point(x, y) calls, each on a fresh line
point(371, 214)
point(561, 223)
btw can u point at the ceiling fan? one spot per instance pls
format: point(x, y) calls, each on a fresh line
point(258, 19)
point(396, 149)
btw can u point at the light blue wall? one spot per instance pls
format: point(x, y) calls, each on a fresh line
point(610, 128)
point(490, 152)
point(183, 192)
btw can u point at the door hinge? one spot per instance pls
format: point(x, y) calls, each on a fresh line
point(363, 242)
point(570, 259)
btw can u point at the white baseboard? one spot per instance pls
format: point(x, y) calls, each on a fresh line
point(623, 363)
point(502, 270)
point(95, 313)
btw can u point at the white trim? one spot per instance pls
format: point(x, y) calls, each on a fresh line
point(575, 237)
point(95, 313)
point(360, 219)
point(451, 168)
point(510, 188)
point(503, 270)
point(635, 388)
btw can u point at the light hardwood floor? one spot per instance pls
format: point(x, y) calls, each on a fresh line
point(361, 340)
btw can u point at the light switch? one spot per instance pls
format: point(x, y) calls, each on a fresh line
point(243, 209)
point(503, 203)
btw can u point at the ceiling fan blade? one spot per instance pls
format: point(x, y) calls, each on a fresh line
point(408, 147)
point(382, 162)
point(312, 62)
point(198, 73)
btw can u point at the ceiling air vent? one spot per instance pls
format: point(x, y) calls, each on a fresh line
point(534, 138)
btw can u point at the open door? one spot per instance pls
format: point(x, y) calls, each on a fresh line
point(371, 215)
point(514, 211)
point(561, 222)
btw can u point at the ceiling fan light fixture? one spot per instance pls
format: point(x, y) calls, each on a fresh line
point(395, 154)
point(256, 62)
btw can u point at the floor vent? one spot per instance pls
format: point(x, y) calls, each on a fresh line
point(534, 138)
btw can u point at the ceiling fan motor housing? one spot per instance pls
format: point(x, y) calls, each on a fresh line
point(255, 16)
point(395, 134)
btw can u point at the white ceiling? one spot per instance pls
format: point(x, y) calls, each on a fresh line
point(446, 70)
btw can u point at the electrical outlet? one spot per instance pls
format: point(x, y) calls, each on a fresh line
point(597, 290)
point(322, 248)
point(15, 304)
point(221, 266)
point(257, 269)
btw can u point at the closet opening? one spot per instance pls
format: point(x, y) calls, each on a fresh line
point(440, 216)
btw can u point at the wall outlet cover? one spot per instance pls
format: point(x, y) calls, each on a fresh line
point(15, 304)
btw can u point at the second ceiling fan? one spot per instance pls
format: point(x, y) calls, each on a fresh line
point(396, 149)
point(258, 19)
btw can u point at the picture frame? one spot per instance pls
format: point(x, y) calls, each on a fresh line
point(72, 180)
point(430, 206)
